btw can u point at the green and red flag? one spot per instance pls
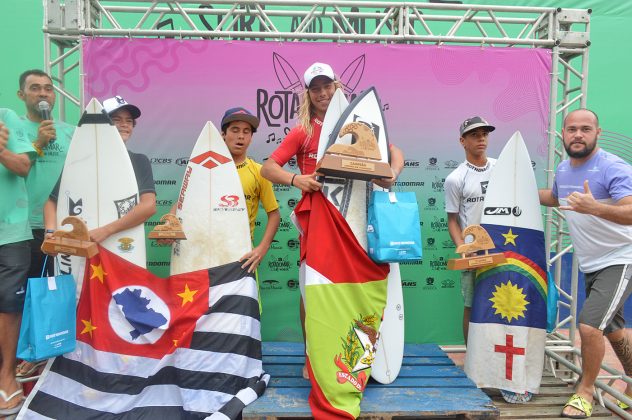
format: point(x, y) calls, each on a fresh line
point(344, 295)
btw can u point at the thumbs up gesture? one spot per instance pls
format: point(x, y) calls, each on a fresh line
point(581, 202)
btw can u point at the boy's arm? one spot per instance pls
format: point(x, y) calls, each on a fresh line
point(254, 257)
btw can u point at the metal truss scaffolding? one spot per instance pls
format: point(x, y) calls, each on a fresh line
point(565, 32)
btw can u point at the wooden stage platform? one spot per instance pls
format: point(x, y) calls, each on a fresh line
point(429, 386)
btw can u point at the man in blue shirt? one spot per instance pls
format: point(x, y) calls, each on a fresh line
point(594, 189)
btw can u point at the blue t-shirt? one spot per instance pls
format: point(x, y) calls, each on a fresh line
point(597, 242)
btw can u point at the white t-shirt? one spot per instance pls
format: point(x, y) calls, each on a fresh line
point(465, 190)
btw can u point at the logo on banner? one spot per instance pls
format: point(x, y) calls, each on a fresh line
point(437, 184)
point(358, 351)
point(451, 164)
point(279, 107)
point(432, 164)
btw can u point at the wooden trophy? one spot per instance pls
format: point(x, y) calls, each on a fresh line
point(72, 242)
point(359, 160)
point(482, 242)
point(170, 229)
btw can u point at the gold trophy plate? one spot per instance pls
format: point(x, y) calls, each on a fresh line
point(170, 229)
point(482, 242)
point(72, 242)
point(360, 160)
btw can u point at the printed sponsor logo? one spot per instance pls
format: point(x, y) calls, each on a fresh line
point(430, 283)
point(164, 202)
point(533, 164)
point(291, 203)
point(439, 224)
point(280, 188)
point(158, 263)
point(293, 243)
point(185, 185)
point(484, 187)
point(279, 263)
point(432, 164)
point(439, 263)
point(430, 243)
point(437, 184)
point(451, 164)
point(409, 183)
point(229, 201)
point(285, 225)
point(502, 211)
point(409, 163)
point(447, 244)
point(271, 284)
point(416, 262)
point(126, 244)
point(75, 208)
point(275, 244)
point(409, 284)
point(292, 284)
point(432, 204)
point(183, 161)
point(125, 205)
point(447, 284)
point(160, 161)
point(165, 182)
point(210, 159)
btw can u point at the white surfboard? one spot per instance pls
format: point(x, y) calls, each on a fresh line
point(510, 178)
point(511, 201)
point(211, 204)
point(98, 185)
point(351, 198)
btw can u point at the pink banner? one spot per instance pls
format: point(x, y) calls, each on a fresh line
point(426, 92)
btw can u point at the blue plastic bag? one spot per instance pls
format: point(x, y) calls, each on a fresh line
point(393, 229)
point(552, 297)
point(49, 318)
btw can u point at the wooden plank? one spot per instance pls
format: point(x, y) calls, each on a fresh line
point(405, 372)
point(462, 382)
point(300, 360)
point(289, 348)
point(380, 403)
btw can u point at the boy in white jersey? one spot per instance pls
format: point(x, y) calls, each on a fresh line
point(594, 188)
point(465, 191)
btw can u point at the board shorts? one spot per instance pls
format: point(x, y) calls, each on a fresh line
point(15, 260)
point(606, 292)
point(467, 287)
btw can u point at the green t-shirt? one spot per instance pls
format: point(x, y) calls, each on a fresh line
point(14, 205)
point(45, 170)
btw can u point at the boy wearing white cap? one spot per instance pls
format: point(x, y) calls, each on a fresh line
point(302, 142)
point(123, 115)
point(465, 189)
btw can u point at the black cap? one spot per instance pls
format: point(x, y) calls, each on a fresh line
point(475, 122)
point(239, 114)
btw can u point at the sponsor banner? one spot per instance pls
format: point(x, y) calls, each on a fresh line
point(179, 85)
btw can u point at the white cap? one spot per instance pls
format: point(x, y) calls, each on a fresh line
point(318, 69)
point(116, 103)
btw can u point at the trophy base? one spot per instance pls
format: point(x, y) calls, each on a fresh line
point(478, 261)
point(70, 247)
point(166, 234)
point(353, 168)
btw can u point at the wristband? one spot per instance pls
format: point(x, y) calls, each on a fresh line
point(292, 181)
point(49, 231)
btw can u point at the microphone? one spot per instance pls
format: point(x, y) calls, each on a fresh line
point(44, 110)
